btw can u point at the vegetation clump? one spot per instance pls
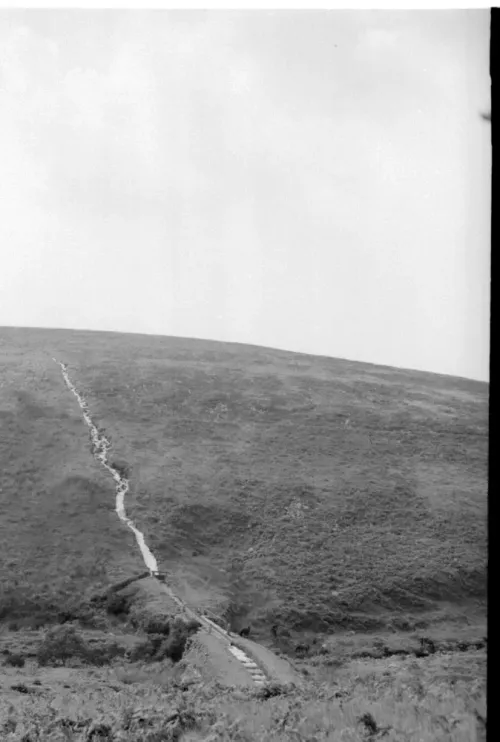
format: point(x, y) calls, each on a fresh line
point(161, 646)
point(65, 644)
point(14, 659)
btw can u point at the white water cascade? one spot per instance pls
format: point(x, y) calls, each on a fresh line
point(100, 448)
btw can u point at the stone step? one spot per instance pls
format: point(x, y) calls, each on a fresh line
point(256, 673)
point(238, 653)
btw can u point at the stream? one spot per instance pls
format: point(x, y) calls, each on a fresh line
point(100, 448)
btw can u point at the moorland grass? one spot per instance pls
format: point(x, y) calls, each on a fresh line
point(441, 698)
point(60, 539)
point(318, 493)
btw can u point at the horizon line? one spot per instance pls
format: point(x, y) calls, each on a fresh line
point(251, 345)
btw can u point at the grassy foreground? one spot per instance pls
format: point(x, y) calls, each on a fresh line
point(274, 488)
point(410, 700)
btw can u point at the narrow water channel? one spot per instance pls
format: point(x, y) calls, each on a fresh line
point(100, 448)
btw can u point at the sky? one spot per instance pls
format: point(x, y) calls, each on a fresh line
point(315, 181)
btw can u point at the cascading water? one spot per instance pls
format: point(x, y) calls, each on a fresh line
point(100, 448)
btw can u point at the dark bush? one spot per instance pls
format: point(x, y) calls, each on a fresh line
point(173, 647)
point(14, 660)
point(192, 625)
point(64, 643)
point(117, 605)
point(159, 647)
point(103, 655)
point(146, 650)
point(65, 617)
point(61, 644)
point(156, 625)
point(22, 688)
point(270, 690)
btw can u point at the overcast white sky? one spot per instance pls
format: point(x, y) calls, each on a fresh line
point(314, 181)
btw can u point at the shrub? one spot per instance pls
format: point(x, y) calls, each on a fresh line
point(14, 660)
point(63, 643)
point(173, 647)
point(157, 647)
point(192, 625)
point(156, 625)
point(104, 654)
point(270, 690)
point(147, 650)
point(60, 644)
point(117, 605)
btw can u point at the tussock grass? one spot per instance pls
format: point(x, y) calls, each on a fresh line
point(438, 699)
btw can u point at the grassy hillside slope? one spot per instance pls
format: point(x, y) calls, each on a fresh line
point(273, 487)
point(59, 537)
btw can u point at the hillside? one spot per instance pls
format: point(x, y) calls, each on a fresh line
point(271, 486)
point(344, 503)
